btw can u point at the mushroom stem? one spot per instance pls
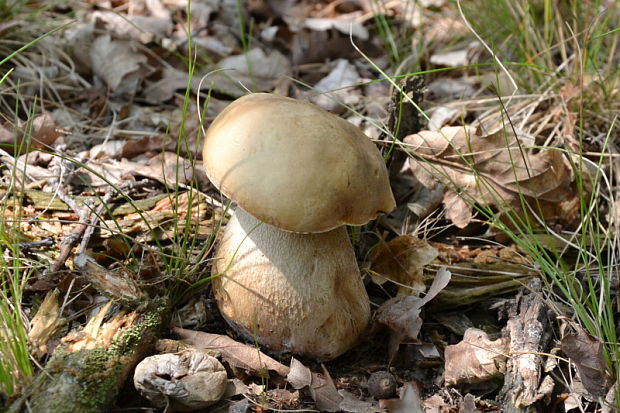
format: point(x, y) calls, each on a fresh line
point(291, 292)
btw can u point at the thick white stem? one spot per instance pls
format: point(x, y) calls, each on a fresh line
point(292, 292)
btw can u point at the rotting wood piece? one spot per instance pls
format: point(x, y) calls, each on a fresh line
point(48, 202)
point(527, 334)
point(118, 284)
point(87, 378)
point(143, 219)
point(404, 118)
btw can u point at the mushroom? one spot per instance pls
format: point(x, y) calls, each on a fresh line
point(287, 273)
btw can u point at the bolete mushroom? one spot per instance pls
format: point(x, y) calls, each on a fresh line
point(292, 283)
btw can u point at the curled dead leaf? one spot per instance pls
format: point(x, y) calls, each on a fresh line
point(118, 63)
point(44, 132)
point(324, 393)
point(491, 170)
point(402, 314)
point(236, 354)
point(586, 351)
point(401, 260)
point(338, 86)
point(474, 359)
point(409, 401)
point(252, 68)
point(322, 390)
point(189, 380)
point(140, 28)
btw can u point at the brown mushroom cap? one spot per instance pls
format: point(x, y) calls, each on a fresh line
point(295, 166)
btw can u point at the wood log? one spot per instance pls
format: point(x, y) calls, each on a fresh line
point(160, 216)
point(85, 374)
point(47, 201)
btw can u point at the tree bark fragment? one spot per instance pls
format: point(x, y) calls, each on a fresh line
point(527, 334)
point(88, 376)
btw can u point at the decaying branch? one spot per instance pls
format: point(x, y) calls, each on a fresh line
point(86, 373)
point(527, 334)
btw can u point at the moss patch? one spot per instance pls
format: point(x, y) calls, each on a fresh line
point(89, 380)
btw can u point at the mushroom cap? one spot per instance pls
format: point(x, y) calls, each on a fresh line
point(291, 292)
point(295, 166)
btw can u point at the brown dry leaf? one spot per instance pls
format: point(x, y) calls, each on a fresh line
point(443, 115)
point(436, 404)
point(443, 28)
point(166, 168)
point(153, 120)
point(254, 68)
point(402, 314)
point(45, 324)
point(108, 149)
point(453, 58)
point(401, 260)
point(170, 81)
point(573, 401)
point(118, 63)
point(163, 89)
point(475, 359)
point(141, 28)
point(7, 137)
point(320, 36)
point(352, 404)
point(299, 376)
point(238, 355)
point(135, 147)
point(345, 24)
point(610, 400)
point(337, 87)
point(101, 173)
point(308, 46)
point(44, 132)
point(505, 167)
point(586, 352)
point(170, 169)
point(322, 390)
point(409, 402)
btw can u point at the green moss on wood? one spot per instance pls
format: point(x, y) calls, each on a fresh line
point(89, 380)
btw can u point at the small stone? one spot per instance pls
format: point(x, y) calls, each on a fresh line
point(382, 385)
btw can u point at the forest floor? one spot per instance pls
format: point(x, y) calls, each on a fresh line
point(498, 124)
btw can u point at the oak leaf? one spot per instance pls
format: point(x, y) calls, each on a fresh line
point(402, 260)
point(491, 170)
